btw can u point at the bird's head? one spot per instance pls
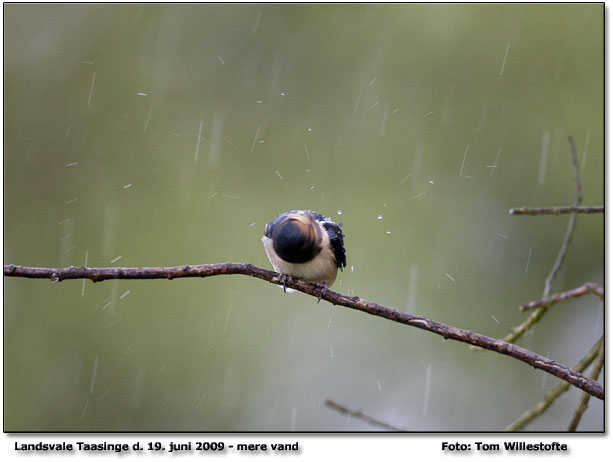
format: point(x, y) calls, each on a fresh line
point(296, 237)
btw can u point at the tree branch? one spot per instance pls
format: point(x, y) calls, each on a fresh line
point(357, 303)
point(583, 400)
point(587, 288)
point(554, 393)
point(582, 404)
point(556, 210)
point(357, 414)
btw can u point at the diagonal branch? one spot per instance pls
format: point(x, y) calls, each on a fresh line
point(582, 404)
point(554, 393)
point(357, 414)
point(357, 303)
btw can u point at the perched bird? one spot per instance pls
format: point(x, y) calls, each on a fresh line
point(306, 245)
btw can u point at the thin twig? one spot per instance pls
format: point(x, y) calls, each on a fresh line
point(556, 210)
point(571, 222)
point(587, 288)
point(554, 393)
point(518, 331)
point(583, 400)
point(316, 290)
point(357, 414)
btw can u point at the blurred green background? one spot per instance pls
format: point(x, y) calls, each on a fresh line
point(150, 135)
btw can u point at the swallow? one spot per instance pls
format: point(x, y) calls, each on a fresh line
point(307, 245)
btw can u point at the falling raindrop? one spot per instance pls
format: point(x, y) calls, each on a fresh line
point(587, 140)
point(504, 60)
point(68, 130)
point(227, 318)
point(464, 160)
point(198, 142)
point(148, 119)
point(493, 167)
point(406, 178)
point(91, 90)
point(91, 387)
point(544, 155)
point(257, 22)
point(426, 403)
point(528, 260)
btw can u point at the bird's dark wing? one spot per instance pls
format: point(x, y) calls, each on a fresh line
point(336, 241)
